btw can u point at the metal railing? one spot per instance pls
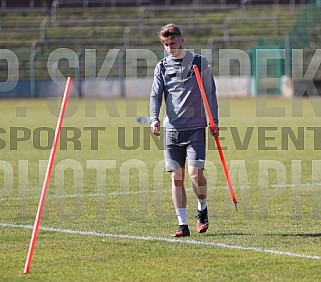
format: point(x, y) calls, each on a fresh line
point(142, 28)
point(7, 4)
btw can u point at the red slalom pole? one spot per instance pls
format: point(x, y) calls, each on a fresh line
point(47, 177)
point(217, 140)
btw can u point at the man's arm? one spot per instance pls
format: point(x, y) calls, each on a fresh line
point(155, 101)
point(210, 90)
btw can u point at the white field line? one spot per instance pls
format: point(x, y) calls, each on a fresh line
point(120, 193)
point(153, 238)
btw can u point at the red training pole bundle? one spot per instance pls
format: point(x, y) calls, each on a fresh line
point(47, 177)
point(217, 140)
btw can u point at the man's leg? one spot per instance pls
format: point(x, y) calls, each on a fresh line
point(175, 158)
point(199, 184)
point(180, 202)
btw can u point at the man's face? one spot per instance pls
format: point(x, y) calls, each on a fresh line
point(173, 46)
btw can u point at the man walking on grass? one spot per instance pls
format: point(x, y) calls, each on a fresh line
point(184, 122)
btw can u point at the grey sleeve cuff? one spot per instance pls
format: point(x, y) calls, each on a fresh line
point(153, 119)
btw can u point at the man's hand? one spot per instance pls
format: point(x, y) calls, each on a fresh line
point(155, 127)
point(215, 132)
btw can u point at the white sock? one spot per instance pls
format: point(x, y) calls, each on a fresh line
point(201, 204)
point(181, 215)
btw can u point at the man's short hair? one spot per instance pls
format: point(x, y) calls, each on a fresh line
point(170, 31)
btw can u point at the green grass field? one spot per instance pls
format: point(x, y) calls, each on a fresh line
point(109, 214)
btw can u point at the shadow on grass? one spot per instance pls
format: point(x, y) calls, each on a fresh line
point(313, 235)
point(228, 234)
point(297, 235)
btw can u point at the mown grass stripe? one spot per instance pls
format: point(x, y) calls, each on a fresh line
point(66, 196)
